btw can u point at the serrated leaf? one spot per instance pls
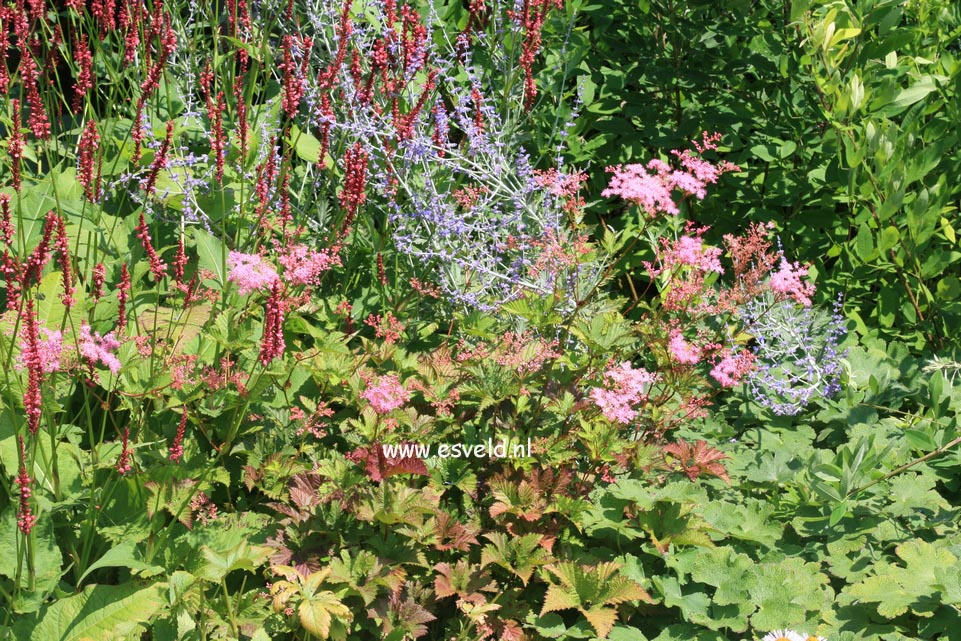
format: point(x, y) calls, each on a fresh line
point(101, 612)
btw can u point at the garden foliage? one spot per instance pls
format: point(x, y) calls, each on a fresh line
point(676, 282)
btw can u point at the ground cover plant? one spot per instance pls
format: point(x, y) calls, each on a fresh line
point(554, 319)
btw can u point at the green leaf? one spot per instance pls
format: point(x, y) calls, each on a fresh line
point(101, 612)
point(211, 254)
point(121, 556)
point(864, 243)
point(916, 586)
point(306, 145)
point(914, 93)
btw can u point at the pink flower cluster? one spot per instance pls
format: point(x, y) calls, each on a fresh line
point(387, 395)
point(690, 251)
point(651, 186)
point(251, 272)
point(787, 281)
point(303, 266)
point(625, 388)
point(94, 347)
point(732, 367)
point(682, 351)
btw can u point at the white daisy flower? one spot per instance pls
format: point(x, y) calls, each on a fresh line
point(784, 635)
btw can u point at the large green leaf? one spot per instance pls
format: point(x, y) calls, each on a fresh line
point(99, 613)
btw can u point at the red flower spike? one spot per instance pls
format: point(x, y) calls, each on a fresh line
point(99, 273)
point(25, 516)
point(32, 401)
point(272, 344)
point(88, 175)
point(6, 224)
point(177, 449)
point(15, 144)
point(85, 77)
point(123, 295)
point(157, 267)
point(63, 260)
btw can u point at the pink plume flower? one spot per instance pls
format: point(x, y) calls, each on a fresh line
point(682, 351)
point(787, 281)
point(625, 388)
point(732, 367)
point(251, 272)
point(304, 266)
point(387, 395)
point(94, 347)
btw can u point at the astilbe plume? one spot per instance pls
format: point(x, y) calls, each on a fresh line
point(732, 366)
point(625, 388)
point(531, 19)
point(251, 272)
point(386, 395)
point(652, 186)
point(304, 266)
point(95, 348)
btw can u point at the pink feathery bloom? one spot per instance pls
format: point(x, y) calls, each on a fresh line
point(682, 351)
point(634, 183)
point(732, 367)
point(387, 395)
point(625, 387)
point(251, 272)
point(690, 250)
point(303, 266)
point(787, 281)
point(94, 347)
